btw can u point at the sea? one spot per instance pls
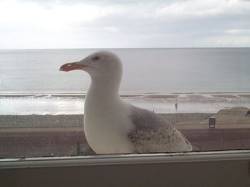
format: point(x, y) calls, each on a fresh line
point(169, 80)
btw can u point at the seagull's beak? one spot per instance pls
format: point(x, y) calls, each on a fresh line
point(72, 66)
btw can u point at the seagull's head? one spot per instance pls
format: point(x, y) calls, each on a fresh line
point(101, 64)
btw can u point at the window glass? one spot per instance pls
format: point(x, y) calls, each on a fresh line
point(203, 92)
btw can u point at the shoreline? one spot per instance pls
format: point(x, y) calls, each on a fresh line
point(74, 104)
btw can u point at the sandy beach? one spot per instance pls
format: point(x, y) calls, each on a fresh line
point(62, 135)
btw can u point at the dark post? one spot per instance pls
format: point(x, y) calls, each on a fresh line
point(212, 122)
point(78, 148)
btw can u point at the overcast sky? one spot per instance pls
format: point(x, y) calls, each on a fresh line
point(124, 23)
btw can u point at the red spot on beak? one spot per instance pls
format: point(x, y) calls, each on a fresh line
point(72, 66)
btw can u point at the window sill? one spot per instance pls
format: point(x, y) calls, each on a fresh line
point(125, 159)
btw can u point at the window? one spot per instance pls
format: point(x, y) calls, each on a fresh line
point(187, 61)
point(203, 92)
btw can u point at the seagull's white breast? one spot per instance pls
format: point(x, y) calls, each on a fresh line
point(106, 125)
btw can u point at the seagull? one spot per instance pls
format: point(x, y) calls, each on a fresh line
point(112, 126)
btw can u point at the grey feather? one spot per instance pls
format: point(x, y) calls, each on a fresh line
point(152, 133)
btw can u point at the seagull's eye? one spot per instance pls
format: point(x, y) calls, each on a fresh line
point(95, 58)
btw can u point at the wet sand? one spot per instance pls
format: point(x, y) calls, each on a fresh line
point(62, 135)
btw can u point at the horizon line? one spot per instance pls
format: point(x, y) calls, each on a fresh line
point(91, 48)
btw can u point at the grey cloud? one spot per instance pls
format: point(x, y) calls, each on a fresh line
point(133, 23)
point(186, 32)
point(49, 3)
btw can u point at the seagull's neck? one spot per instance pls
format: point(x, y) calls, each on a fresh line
point(104, 91)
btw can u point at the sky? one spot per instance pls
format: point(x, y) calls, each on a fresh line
point(27, 24)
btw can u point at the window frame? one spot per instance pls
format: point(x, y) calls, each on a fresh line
point(119, 159)
point(222, 168)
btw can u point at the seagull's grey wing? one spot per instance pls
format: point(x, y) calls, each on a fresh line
point(152, 133)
